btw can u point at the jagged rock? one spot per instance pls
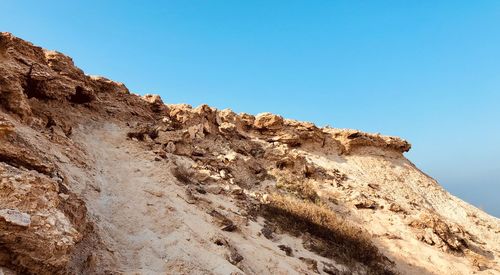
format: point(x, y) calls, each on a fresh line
point(437, 232)
point(226, 116)
point(226, 127)
point(34, 231)
point(246, 120)
point(223, 221)
point(155, 101)
point(288, 250)
point(364, 203)
point(268, 121)
point(352, 139)
point(394, 207)
point(223, 174)
point(108, 85)
point(234, 257)
point(267, 231)
point(331, 269)
point(291, 139)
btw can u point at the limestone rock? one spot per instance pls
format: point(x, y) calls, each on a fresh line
point(268, 121)
point(155, 101)
point(15, 217)
point(437, 232)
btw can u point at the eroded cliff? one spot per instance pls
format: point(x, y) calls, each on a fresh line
point(95, 179)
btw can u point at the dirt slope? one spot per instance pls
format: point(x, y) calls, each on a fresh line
point(95, 179)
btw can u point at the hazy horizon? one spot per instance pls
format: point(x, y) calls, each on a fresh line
point(427, 72)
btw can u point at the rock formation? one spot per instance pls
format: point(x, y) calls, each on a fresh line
point(95, 179)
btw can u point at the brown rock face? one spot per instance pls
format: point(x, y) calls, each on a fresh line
point(97, 180)
point(268, 121)
point(34, 232)
point(6, 128)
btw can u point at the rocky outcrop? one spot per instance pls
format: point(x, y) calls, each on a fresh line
point(352, 139)
point(6, 128)
point(268, 121)
point(35, 233)
point(95, 179)
point(435, 231)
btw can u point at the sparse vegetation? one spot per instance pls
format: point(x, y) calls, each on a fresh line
point(182, 174)
point(300, 188)
point(331, 236)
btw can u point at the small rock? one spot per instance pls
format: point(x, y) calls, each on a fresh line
point(267, 231)
point(330, 269)
point(170, 148)
point(220, 241)
point(200, 190)
point(235, 257)
point(311, 263)
point(394, 207)
point(365, 204)
point(63, 196)
point(229, 228)
point(288, 250)
point(225, 223)
point(223, 174)
point(15, 217)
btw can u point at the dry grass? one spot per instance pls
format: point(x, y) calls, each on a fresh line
point(182, 174)
point(331, 236)
point(301, 188)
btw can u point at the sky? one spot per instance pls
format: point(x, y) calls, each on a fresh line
point(427, 71)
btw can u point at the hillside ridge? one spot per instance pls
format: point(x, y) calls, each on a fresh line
point(96, 179)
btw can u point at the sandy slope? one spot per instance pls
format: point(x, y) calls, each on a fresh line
point(148, 224)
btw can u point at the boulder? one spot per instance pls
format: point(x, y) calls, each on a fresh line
point(268, 121)
point(155, 101)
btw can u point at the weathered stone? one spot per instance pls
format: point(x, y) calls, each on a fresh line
point(15, 217)
point(170, 148)
point(6, 128)
point(268, 121)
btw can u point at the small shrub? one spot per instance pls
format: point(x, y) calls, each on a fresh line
point(299, 187)
point(182, 174)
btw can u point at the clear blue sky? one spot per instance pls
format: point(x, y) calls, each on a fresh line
point(428, 71)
